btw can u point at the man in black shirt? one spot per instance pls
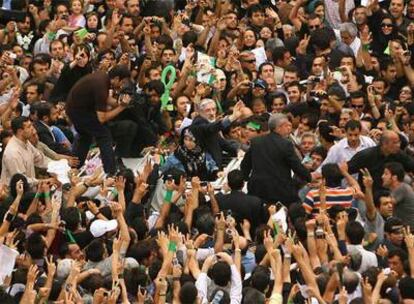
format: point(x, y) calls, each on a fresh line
point(241, 205)
point(375, 158)
point(87, 108)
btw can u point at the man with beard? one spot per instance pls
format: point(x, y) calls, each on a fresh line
point(206, 128)
point(47, 116)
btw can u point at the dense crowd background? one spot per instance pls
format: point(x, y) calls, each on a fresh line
point(207, 151)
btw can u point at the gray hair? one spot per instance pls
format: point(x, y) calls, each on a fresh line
point(349, 28)
point(309, 134)
point(276, 120)
point(204, 102)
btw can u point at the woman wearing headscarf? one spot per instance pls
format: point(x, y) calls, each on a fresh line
point(190, 158)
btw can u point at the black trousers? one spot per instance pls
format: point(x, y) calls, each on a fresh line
point(88, 127)
point(124, 132)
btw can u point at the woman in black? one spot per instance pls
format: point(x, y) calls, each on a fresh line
point(71, 73)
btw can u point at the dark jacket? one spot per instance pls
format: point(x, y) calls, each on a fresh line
point(207, 134)
point(46, 137)
point(68, 78)
point(243, 206)
point(268, 165)
point(373, 159)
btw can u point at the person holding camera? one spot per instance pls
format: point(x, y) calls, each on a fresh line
point(87, 107)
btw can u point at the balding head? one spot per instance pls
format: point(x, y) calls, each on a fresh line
point(390, 142)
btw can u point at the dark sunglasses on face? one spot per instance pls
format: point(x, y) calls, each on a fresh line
point(357, 106)
point(313, 27)
point(386, 25)
point(250, 60)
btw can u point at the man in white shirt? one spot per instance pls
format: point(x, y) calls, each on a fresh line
point(347, 147)
point(355, 236)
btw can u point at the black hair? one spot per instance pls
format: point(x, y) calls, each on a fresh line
point(140, 227)
point(155, 85)
point(44, 109)
point(406, 288)
point(189, 37)
point(396, 169)
point(93, 282)
point(168, 49)
point(265, 64)
point(188, 293)
point(95, 251)
point(18, 123)
point(379, 194)
point(325, 131)
point(35, 246)
point(165, 40)
point(386, 62)
point(319, 150)
point(255, 8)
point(71, 217)
point(235, 180)
point(354, 232)
point(221, 273)
point(37, 60)
point(312, 119)
point(139, 251)
point(260, 279)
point(278, 53)
point(273, 96)
point(353, 125)
point(120, 71)
point(399, 253)
point(332, 175)
point(319, 39)
point(252, 295)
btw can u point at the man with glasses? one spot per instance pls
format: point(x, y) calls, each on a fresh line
point(358, 102)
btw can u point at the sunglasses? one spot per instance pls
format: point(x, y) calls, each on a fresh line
point(314, 27)
point(387, 25)
point(357, 106)
point(250, 61)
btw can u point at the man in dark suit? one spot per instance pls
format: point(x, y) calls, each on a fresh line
point(45, 117)
point(206, 129)
point(269, 162)
point(242, 206)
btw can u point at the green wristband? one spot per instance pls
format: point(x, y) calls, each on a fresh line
point(38, 195)
point(114, 192)
point(172, 247)
point(366, 47)
point(275, 228)
point(46, 195)
point(168, 196)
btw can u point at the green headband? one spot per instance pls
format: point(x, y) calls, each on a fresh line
point(254, 125)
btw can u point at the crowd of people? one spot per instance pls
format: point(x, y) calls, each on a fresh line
point(275, 143)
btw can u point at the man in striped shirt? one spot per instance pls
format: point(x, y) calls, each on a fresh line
point(335, 194)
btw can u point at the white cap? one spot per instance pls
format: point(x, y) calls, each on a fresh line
point(100, 227)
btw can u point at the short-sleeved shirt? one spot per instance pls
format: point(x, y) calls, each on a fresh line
point(334, 196)
point(90, 93)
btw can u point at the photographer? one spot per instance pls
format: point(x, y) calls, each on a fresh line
point(87, 107)
point(146, 112)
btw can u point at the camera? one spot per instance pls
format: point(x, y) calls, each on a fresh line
point(129, 90)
